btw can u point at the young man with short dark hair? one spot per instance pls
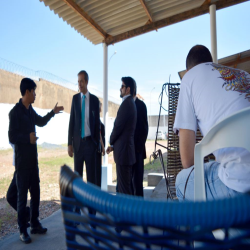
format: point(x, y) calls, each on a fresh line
point(22, 133)
point(209, 93)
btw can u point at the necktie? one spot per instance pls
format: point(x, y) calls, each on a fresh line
point(83, 116)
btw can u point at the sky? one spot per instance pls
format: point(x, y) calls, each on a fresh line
point(32, 36)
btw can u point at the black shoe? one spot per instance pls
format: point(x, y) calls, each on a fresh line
point(38, 229)
point(24, 237)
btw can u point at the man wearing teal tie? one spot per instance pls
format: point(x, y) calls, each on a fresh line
point(84, 129)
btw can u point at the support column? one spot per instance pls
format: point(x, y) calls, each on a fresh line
point(105, 97)
point(106, 168)
point(212, 10)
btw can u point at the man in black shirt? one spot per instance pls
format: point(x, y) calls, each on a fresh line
point(22, 133)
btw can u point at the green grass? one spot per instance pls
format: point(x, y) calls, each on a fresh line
point(154, 167)
point(4, 185)
point(56, 162)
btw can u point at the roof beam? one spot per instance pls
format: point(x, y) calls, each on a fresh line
point(234, 63)
point(85, 17)
point(146, 10)
point(203, 9)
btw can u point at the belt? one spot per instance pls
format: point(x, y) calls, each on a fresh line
point(86, 138)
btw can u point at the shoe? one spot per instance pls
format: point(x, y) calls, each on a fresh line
point(24, 237)
point(38, 229)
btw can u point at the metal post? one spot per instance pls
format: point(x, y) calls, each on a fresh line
point(105, 98)
point(212, 10)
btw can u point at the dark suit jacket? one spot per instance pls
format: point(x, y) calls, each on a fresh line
point(75, 121)
point(103, 133)
point(141, 130)
point(122, 136)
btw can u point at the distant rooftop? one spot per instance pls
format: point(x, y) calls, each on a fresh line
point(240, 61)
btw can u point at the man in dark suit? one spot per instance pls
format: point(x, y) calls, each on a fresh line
point(141, 133)
point(84, 129)
point(122, 137)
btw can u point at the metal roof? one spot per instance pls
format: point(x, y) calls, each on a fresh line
point(240, 61)
point(112, 21)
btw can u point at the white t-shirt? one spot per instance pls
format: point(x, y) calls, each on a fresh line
point(209, 93)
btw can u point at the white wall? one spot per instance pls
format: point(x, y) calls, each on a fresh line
point(152, 132)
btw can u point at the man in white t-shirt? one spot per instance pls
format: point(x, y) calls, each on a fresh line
point(209, 93)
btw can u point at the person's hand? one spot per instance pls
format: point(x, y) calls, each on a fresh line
point(70, 151)
point(109, 149)
point(103, 152)
point(58, 109)
point(33, 138)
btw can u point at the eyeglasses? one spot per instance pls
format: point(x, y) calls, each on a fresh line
point(123, 86)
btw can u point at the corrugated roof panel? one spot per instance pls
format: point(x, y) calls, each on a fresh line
point(123, 21)
point(57, 5)
point(125, 27)
point(61, 9)
point(115, 17)
point(49, 2)
point(173, 9)
point(115, 8)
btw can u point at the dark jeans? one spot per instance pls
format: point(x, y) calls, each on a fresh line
point(137, 175)
point(27, 179)
point(87, 154)
point(124, 179)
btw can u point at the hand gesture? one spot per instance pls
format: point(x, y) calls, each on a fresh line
point(58, 109)
point(109, 150)
point(33, 138)
point(70, 151)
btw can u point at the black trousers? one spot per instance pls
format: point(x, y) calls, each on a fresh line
point(137, 175)
point(12, 193)
point(124, 178)
point(98, 174)
point(27, 179)
point(86, 153)
point(11, 197)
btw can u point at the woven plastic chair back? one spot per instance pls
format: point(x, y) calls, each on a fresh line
point(174, 166)
point(126, 222)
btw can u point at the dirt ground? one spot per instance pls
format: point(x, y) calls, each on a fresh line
point(50, 196)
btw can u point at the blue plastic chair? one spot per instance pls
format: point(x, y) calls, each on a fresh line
point(125, 222)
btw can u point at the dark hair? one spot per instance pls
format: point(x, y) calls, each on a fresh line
point(27, 84)
point(198, 54)
point(135, 88)
point(86, 76)
point(129, 82)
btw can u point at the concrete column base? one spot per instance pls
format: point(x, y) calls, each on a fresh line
point(106, 176)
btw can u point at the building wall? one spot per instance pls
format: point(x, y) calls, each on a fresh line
point(47, 93)
point(153, 123)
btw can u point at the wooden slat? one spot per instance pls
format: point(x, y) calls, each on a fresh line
point(86, 17)
point(203, 9)
point(146, 10)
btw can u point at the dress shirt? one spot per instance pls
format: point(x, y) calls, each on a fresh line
point(125, 97)
point(86, 125)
